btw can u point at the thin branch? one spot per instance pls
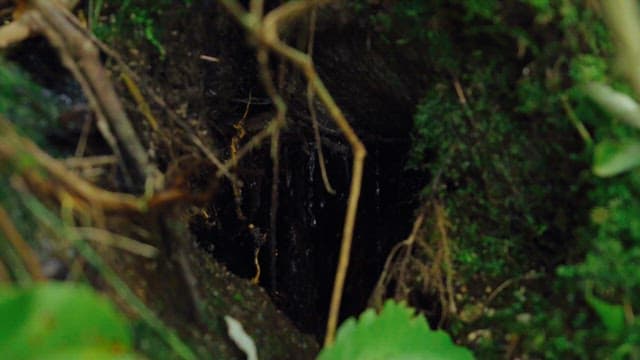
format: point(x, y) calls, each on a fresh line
point(79, 54)
point(13, 33)
point(13, 148)
point(312, 108)
point(108, 238)
point(276, 125)
point(90, 161)
point(25, 251)
point(265, 32)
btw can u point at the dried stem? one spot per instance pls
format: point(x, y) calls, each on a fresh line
point(265, 32)
point(313, 18)
point(27, 254)
point(78, 53)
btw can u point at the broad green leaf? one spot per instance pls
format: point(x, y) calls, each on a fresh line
point(612, 158)
point(612, 316)
point(616, 103)
point(61, 321)
point(396, 333)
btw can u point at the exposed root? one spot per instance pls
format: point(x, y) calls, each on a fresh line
point(235, 141)
point(108, 238)
point(422, 261)
point(379, 291)
point(442, 224)
point(312, 108)
point(264, 31)
point(81, 57)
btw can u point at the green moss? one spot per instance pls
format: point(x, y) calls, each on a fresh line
point(133, 19)
point(512, 171)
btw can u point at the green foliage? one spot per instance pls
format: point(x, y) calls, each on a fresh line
point(516, 178)
point(507, 164)
point(497, 208)
point(395, 333)
point(612, 158)
point(612, 316)
point(61, 321)
point(608, 268)
point(498, 158)
point(134, 19)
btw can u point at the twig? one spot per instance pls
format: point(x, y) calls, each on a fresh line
point(241, 132)
point(84, 136)
point(265, 32)
point(274, 128)
point(311, 105)
point(209, 58)
point(137, 96)
point(12, 234)
point(13, 32)
point(223, 169)
point(13, 148)
point(442, 224)
point(90, 161)
point(385, 275)
point(110, 239)
point(81, 57)
point(20, 29)
point(582, 130)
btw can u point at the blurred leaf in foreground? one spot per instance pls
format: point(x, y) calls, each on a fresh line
point(61, 321)
point(395, 333)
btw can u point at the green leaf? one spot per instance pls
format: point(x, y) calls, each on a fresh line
point(61, 321)
point(396, 333)
point(618, 104)
point(611, 315)
point(612, 158)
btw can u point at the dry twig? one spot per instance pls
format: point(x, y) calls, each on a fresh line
point(81, 57)
point(264, 30)
point(27, 254)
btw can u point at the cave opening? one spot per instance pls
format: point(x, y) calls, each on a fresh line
point(309, 226)
point(378, 101)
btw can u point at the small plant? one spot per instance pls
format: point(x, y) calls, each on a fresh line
point(611, 287)
point(395, 333)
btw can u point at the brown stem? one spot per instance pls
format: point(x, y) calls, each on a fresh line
point(265, 32)
point(24, 250)
point(81, 56)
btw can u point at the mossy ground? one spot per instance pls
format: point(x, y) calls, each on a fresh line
point(513, 172)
